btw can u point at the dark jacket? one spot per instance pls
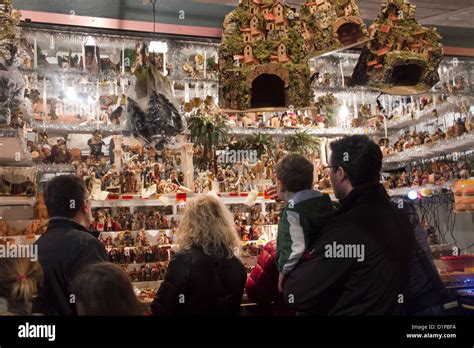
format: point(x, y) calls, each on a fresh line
point(63, 250)
point(262, 283)
point(424, 295)
point(329, 283)
point(199, 284)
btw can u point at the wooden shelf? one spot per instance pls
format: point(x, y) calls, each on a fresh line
point(137, 201)
point(17, 201)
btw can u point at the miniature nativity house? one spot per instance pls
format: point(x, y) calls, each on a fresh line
point(332, 24)
point(403, 57)
point(263, 57)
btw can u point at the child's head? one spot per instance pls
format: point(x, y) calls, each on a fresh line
point(20, 280)
point(105, 289)
point(294, 173)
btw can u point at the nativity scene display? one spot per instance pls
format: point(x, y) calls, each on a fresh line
point(403, 56)
point(263, 56)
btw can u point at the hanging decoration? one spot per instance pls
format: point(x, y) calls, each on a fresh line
point(152, 109)
point(331, 25)
point(403, 56)
point(263, 59)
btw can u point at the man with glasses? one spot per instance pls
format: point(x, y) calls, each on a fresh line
point(67, 244)
point(360, 262)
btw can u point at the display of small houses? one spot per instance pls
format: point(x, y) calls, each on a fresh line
point(266, 45)
point(330, 25)
point(403, 57)
point(263, 59)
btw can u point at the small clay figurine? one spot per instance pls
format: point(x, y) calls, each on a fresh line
point(465, 171)
point(95, 146)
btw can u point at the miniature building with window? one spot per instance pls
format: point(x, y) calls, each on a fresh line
point(263, 57)
point(333, 24)
point(403, 57)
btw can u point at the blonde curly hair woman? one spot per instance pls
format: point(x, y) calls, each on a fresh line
point(205, 276)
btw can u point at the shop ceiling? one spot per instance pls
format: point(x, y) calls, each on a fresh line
point(454, 18)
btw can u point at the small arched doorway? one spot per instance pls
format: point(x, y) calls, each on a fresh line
point(406, 75)
point(349, 33)
point(268, 90)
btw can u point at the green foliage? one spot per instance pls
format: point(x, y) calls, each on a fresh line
point(304, 11)
point(299, 88)
point(303, 143)
point(208, 131)
point(234, 43)
point(262, 143)
point(263, 49)
point(241, 16)
point(295, 46)
point(244, 94)
point(329, 106)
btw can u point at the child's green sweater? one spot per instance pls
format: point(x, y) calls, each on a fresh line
point(301, 220)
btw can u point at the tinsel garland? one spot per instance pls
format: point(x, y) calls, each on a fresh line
point(324, 132)
point(74, 128)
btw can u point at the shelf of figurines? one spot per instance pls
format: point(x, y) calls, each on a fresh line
point(69, 128)
point(441, 147)
point(431, 112)
point(321, 132)
point(283, 122)
point(18, 201)
point(108, 77)
point(126, 200)
point(421, 191)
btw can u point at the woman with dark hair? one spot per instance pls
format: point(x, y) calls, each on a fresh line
point(20, 279)
point(105, 289)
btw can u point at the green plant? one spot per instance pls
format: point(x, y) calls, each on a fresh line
point(208, 131)
point(234, 43)
point(263, 143)
point(295, 45)
point(303, 143)
point(263, 49)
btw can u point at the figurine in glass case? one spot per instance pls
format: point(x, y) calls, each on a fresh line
point(95, 145)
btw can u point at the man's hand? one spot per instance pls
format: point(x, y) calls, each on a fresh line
point(281, 282)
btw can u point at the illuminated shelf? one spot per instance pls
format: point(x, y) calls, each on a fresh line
point(152, 284)
point(7, 200)
point(403, 191)
point(436, 149)
point(326, 132)
point(422, 116)
point(67, 128)
point(137, 201)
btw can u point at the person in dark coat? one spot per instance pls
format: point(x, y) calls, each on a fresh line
point(360, 262)
point(204, 277)
point(262, 283)
point(426, 293)
point(67, 245)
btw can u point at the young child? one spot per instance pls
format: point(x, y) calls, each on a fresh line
point(305, 212)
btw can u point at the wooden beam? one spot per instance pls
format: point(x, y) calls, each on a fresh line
point(119, 24)
point(459, 51)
